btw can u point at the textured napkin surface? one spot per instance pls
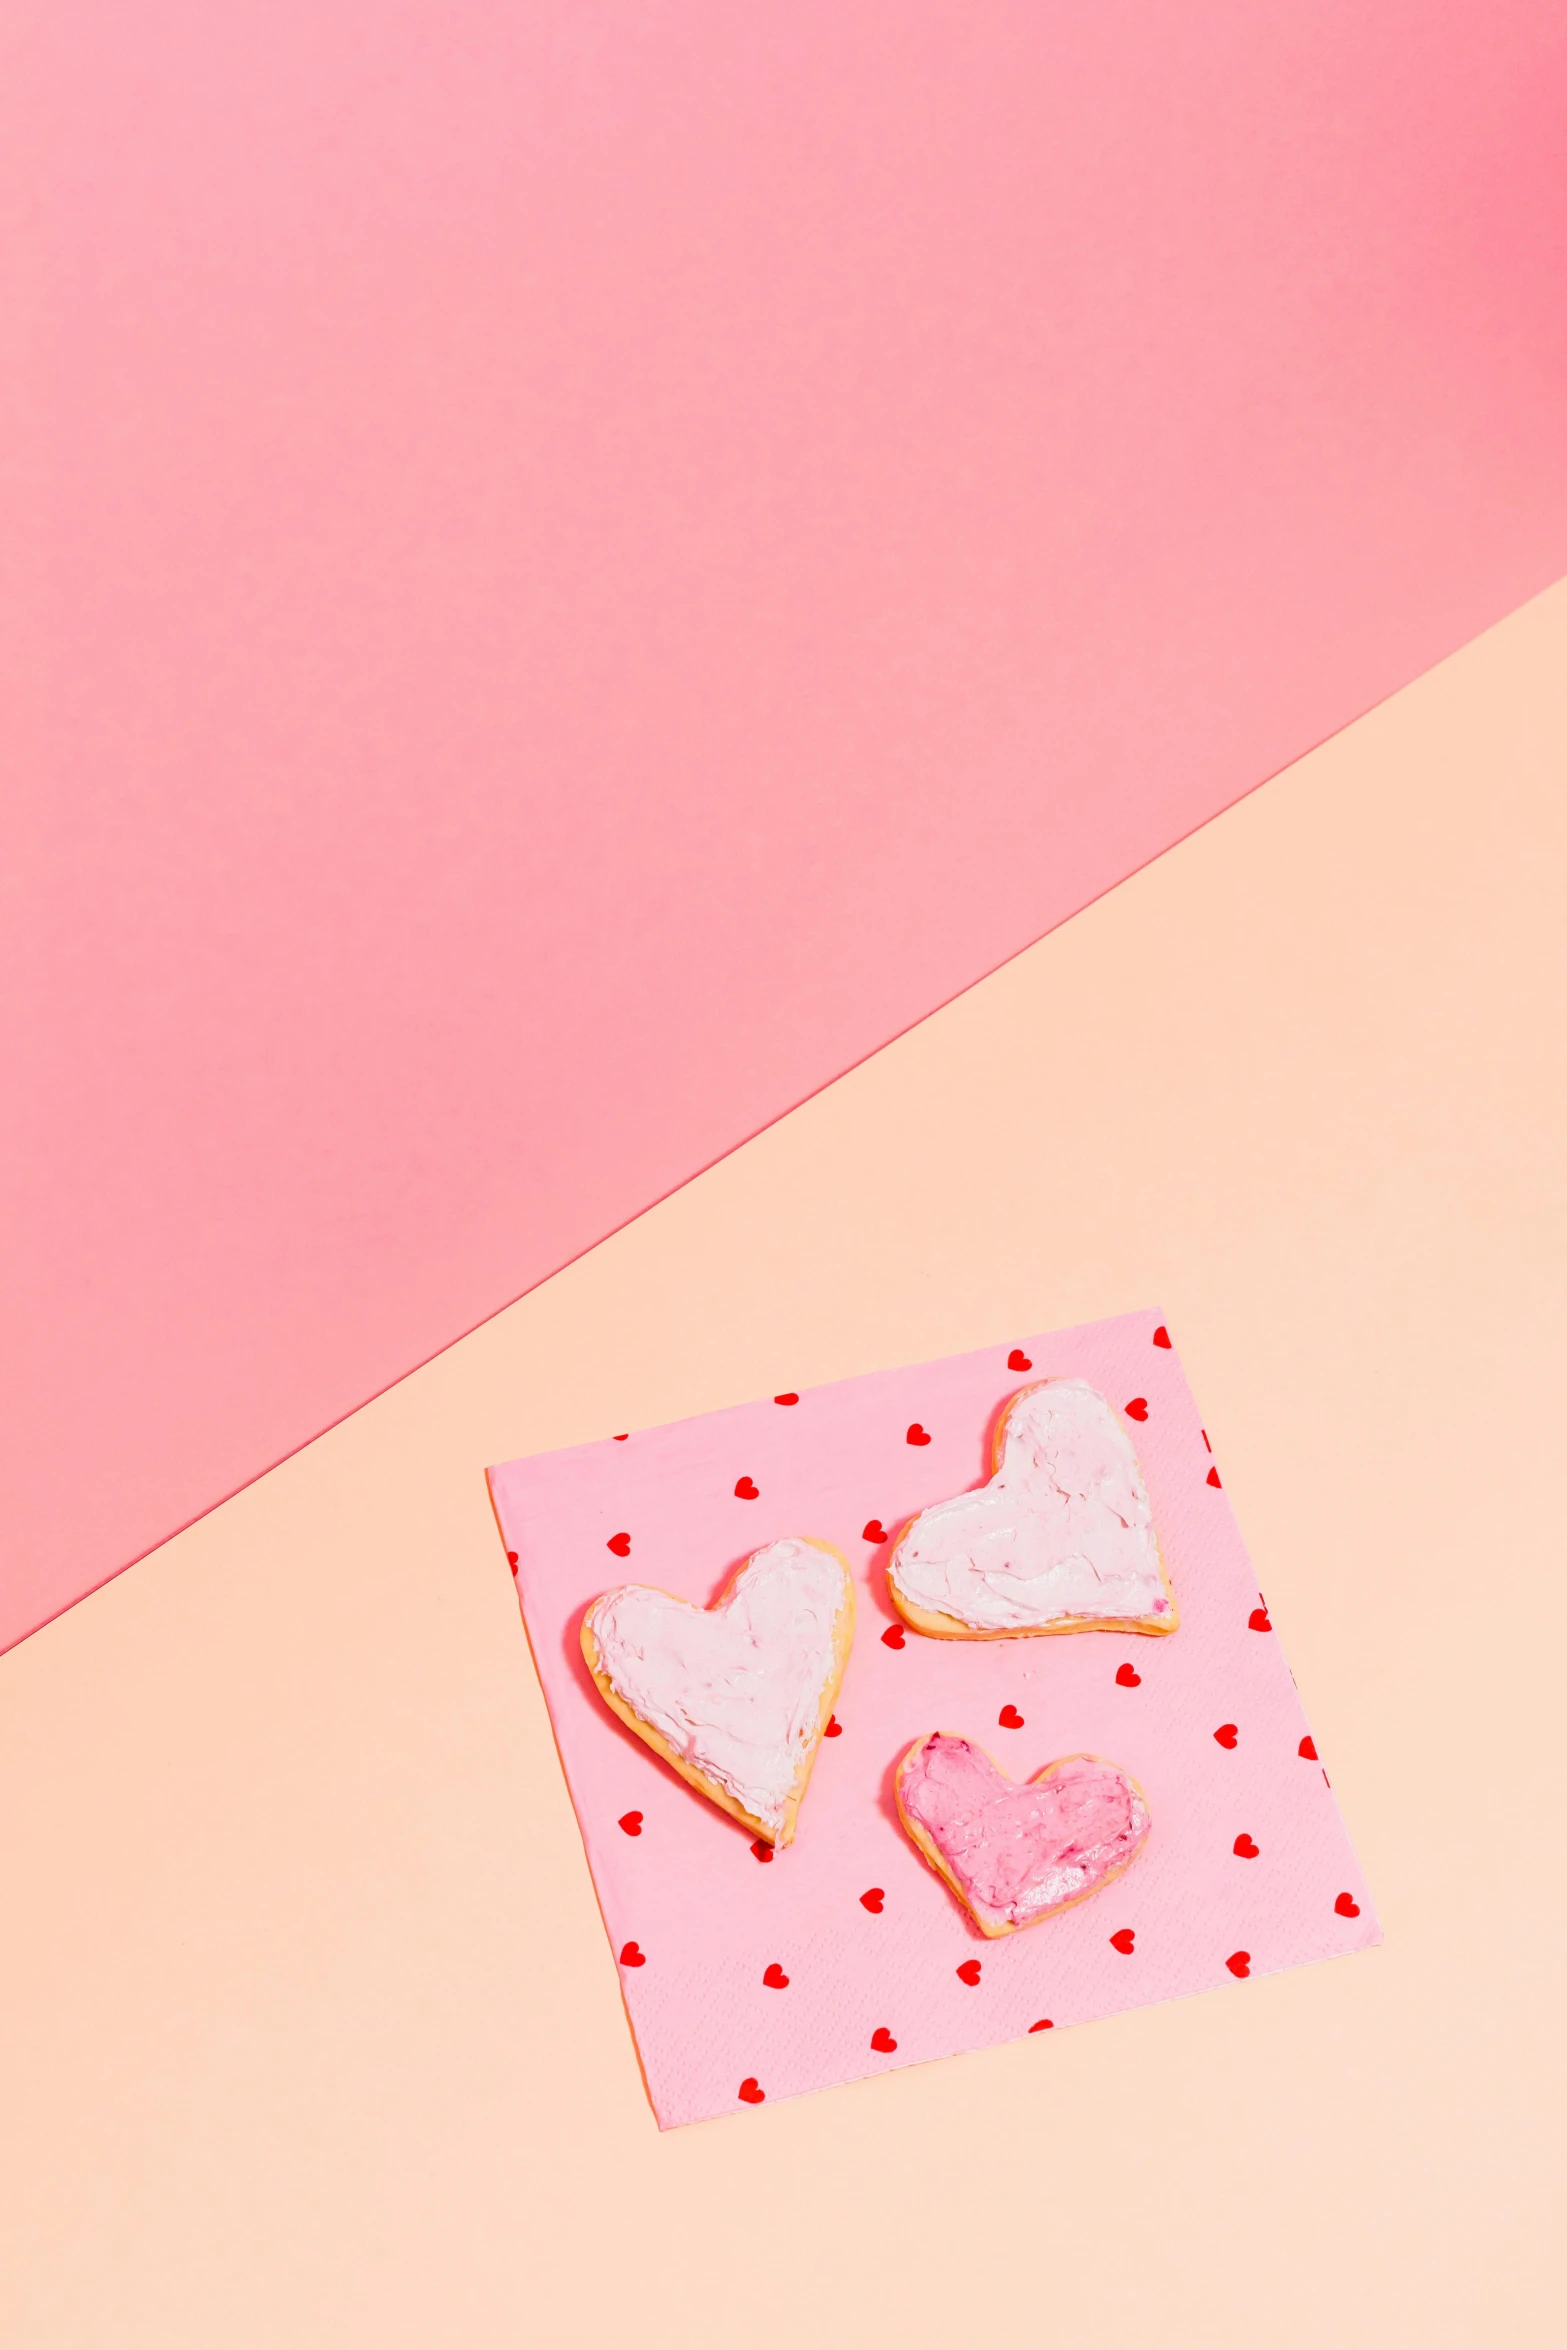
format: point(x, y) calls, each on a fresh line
point(703, 1930)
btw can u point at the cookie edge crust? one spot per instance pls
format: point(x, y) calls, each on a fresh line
point(843, 1641)
point(930, 1853)
point(936, 1625)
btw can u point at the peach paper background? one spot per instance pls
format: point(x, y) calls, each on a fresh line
point(308, 2029)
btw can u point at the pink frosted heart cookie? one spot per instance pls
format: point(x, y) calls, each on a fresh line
point(1061, 1539)
point(736, 1696)
point(1012, 1853)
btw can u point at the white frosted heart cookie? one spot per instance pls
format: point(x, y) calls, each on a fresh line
point(737, 1697)
point(1061, 1539)
point(1015, 1852)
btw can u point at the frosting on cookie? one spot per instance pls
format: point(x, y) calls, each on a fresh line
point(1062, 1530)
point(735, 1690)
point(1018, 1852)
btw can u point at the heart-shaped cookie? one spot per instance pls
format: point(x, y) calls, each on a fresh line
point(736, 1696)
point(1015, 1853)
point(1060, 1540)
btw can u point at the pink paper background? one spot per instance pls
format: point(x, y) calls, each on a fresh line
point(710, 1918)
point(584, 566)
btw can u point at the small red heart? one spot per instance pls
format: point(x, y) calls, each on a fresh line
point(790, 1398)
point(633, 1955)
point(761, 1850)
point(873, 1900)
point(626, 1439)
point(775, 1978)
point(1245, 1849)
point(916, 1434)
point(1017, 1360)
point(1257, 1621)
point(1045, 2024)
point(882, 2041)
point(834, 1727)
point(1213, 1476)
point(1347, 1906)
point(751, 2092)
point(893, 1636)
point(1124, 1940)
point(511, 1560)
point(1009, 1718)
point(1161, 1336)
point(1137, 1409)
point(968, 1972)
point(1128, 1677)
point(1239, 1962)
point(631, 1821)
point(1307, 1751)
point(747, 1490)
point(874, 1531)
point(620, 1544)
point(1226, 1734)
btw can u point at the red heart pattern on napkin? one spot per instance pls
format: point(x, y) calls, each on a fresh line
point(677, 1866)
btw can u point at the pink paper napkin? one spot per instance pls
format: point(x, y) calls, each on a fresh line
point(749, 1979)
